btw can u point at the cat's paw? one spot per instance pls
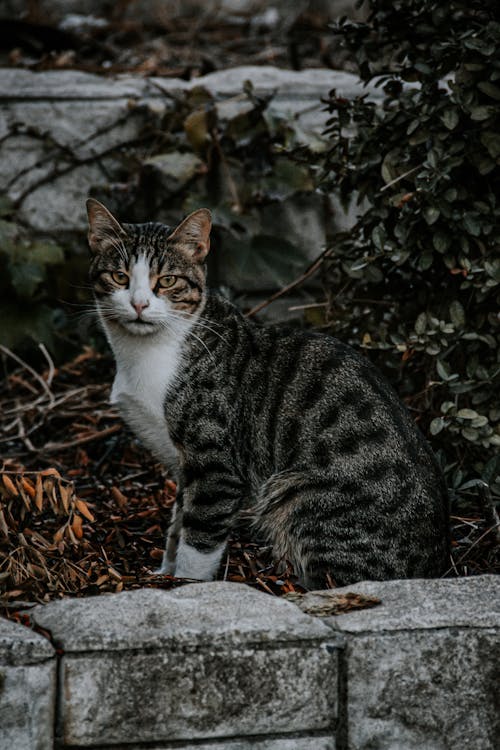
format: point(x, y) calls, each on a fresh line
point(167, 568)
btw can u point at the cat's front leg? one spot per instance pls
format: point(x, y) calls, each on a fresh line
point(172, 542)
point(211, 504)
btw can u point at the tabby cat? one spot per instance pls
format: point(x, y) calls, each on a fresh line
point(296, 426)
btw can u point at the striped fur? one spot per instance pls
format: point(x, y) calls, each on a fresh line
point(297, 427)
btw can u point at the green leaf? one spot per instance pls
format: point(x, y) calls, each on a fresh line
point(442, 370)
point(491, 141)
point(472, 225)
point(441, 241)
point(450, 118)
point(421, 323)
point(457, 314)
point(431, 214)
point(46, 253)
point(467, 414)
point(478, 114)
point(379, 236)
point(470, 434)
point(436, 425)
point(489, 89)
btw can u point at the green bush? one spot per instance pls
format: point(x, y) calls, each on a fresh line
point(417, 279)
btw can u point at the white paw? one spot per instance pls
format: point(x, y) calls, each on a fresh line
point(202, 566)
point(167, 567)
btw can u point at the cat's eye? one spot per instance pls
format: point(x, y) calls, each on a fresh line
point(119, 277)
point(165, 282)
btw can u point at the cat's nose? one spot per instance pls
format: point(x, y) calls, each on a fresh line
point(139, 307)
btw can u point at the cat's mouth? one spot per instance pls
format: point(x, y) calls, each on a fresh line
point(139, 325)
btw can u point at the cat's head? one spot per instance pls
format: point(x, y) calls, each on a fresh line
point(147, 277)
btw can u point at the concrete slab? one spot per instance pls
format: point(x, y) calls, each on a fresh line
point(27, 689)
point(208, 660)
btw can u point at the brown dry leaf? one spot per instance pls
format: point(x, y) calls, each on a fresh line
point(3, 525)
point(25, 497)
point(50, 473)
point(39, 492)
point(58, 536)
point(77, 526)
point(84, 510)
point(27, 486)
point(9, 485)
point(65, 493)
point(114, 574)
point(337, 604)
point(119, 498)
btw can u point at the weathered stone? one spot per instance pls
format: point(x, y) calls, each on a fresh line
point(421, 669)
point(298, 742)
point(62, 132)
point(27, 688)
point(422, 604)
point(212, 660)
point(173, 170)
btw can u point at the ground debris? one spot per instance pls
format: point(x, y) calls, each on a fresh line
point(335, 604)
point(83, 507)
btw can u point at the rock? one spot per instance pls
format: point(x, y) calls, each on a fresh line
point(209, 660)
point(27, 688)
point(422, 668)
point(174, 170)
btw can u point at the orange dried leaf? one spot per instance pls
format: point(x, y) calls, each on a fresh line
point(114, 574)
point(9, 485)
point(3, 525)
point(84, 510)
point(119, 498)
point(28, 487)
point(58, 536)
point(50, 473)
point(39, 492)
point(77, 526)
point(65, 493)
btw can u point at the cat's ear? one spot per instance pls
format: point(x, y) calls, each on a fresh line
point(104, 229)
point(194, 233)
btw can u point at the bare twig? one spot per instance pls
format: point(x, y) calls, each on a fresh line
point(52, 369)
point(100, 435)
point(315, 265)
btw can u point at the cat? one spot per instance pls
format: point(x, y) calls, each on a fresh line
point(296, 426)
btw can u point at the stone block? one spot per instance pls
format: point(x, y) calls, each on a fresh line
point(297, 742)
point(206, 661)
point(422, 669)
point(27, 689)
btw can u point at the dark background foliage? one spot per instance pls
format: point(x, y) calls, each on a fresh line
point(417, 280)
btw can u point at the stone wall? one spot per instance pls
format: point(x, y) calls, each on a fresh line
point(66, 134)
point(220, 666)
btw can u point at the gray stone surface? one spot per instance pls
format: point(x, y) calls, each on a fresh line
point(63, 132)
point(211, 660)
point(27, 689)
point(422, 669)
point(297, 742)
point(422, 604)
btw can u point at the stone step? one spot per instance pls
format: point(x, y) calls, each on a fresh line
point(220, 666)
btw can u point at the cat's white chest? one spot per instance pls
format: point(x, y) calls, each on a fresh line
point(144, 375)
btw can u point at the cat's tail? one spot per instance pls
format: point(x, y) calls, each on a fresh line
point(278, 516)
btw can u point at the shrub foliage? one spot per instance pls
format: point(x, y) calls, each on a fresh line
point(417, 279)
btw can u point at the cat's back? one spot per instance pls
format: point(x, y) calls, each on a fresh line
point(309, 399)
